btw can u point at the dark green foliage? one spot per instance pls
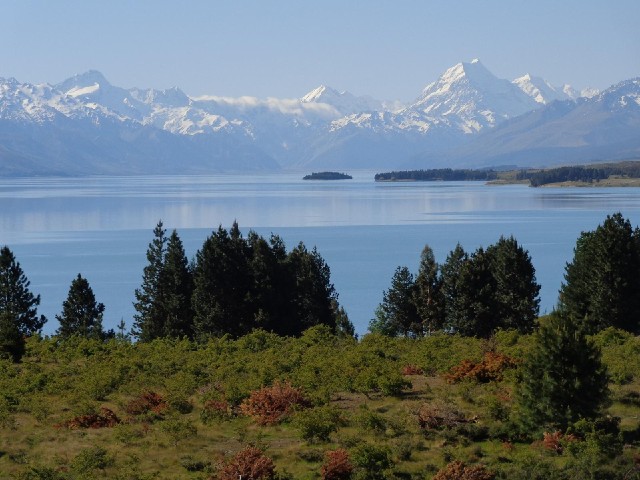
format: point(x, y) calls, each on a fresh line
point(12, 344)
point(177, 287)
point(516, 296)
point(446, 174)
point(371, 461)
point(164, 300)
point(81, 315)
point(149, 318)
point(397, 314)
point(562, 379)
point(450, 280)
point(563, 174)
point(602, 283)
point(15, 298)
point(428, 293)
point(474, 311)
point(243, 284)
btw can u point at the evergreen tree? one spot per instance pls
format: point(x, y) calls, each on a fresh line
point(177, 287)
point(222, 281)
point(81, 315)
point(397, 314)
point(12, 343)
point(562, 378)
point(450, 282)
point(473, 311)
point(516, 296)
point(148, 322)
point(602, 283)
point(428, 294)
point(313, 294)
point(16, 300)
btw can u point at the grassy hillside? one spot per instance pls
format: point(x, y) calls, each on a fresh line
point(177, 410)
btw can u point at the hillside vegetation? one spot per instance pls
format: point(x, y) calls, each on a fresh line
point(394, 407)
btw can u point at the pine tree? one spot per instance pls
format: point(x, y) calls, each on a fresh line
point(473, 312)
point(148, 322)
point(397, 314)
point(450, 282)
point(602, 283)
point(16, 300)
point(81, 315)
point(12, 343)
point(313, 294)
point(428, 294)
point(516, 295)
point(222, 282)
point(562, 378)
point(177, 287)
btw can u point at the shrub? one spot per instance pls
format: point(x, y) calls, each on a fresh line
point(317, 424)
point(248, 464)
point(105, 419)
point(178, 429)
point(215, 410)
point(336, 466)
point(270, 405)
point(149, 404)
point(372, 460)
point(439, 417)
point(556, 441)
point(490, 368)
point(89, 459)
point(457, 470)
point(411, 369)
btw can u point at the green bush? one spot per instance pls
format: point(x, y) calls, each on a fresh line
point(90, 459)
point(318, 423)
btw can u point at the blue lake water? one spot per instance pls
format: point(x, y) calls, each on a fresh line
point(101, 226)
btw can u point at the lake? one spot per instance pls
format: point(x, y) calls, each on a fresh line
point(101, 226)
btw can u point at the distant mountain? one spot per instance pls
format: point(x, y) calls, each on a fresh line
point(604, 127)
point(86, 125)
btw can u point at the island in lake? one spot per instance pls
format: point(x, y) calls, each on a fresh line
point(327, 176)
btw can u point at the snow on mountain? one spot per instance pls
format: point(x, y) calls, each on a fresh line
point(604, 127)
point(541, 90)
point(87, 125)
point(473, 98)
point(344, 102)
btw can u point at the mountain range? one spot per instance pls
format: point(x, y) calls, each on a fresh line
point(467, 117)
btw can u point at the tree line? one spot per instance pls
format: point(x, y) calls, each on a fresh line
point(470, 294)
point(495, 288)
point(442, 174)
point(234, 285)
point(578, 173)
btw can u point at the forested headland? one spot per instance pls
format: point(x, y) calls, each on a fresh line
point(242, 363)
point(614, 174)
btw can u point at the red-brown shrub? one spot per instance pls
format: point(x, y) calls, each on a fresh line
point(336, 466)
point(556, 441)
point(491, 368)
point(248, 464)
point(412, 370)
point(105, 419)
point(437, 417)
point(147, 402)
point(457, 470)
point(270, 405)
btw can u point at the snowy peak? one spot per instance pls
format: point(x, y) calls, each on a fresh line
point(344, 102)
point(91, 80)
point(541, 90)
point(472, 97)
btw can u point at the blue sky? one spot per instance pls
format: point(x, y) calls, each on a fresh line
point(387, 49)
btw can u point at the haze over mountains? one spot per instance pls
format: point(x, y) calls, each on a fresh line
point(466, 118)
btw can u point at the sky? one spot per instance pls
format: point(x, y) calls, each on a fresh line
point(284, 48)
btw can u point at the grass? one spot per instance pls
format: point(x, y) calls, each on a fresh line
point(57, 382)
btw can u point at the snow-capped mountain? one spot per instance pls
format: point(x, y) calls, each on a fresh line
point(542, 91)
point(604, 127)
point(86, 125)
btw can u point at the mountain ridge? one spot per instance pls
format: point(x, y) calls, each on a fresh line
point(86, 125)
